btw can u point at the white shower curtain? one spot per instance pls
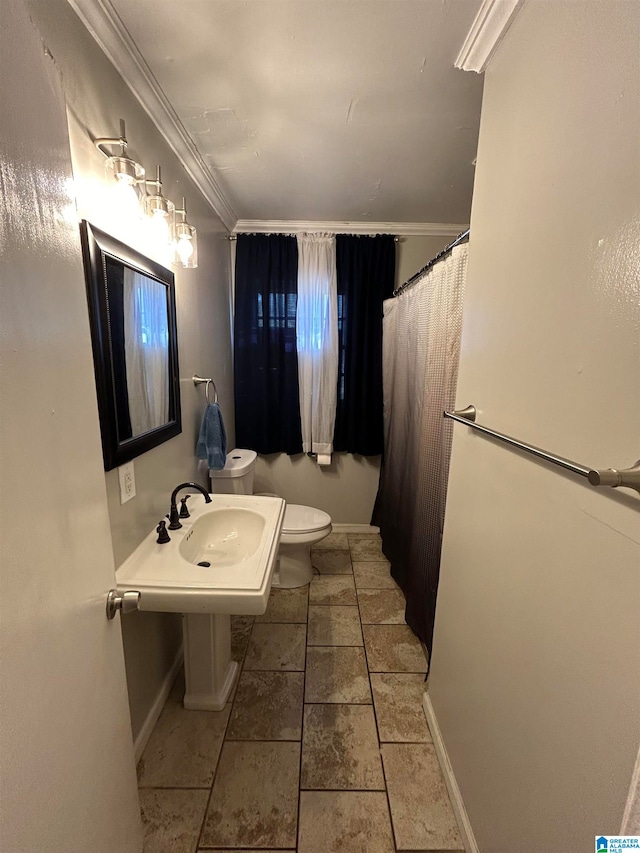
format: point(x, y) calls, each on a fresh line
point(317, 340)
point(146, 343)
point(421, 351)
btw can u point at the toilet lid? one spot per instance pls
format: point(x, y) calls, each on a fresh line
point(304, 519)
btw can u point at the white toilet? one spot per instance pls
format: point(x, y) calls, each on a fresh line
point(303, 526)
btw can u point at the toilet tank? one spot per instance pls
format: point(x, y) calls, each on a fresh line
point(236, 478)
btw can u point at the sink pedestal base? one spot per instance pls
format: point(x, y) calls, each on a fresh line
point(208, 669)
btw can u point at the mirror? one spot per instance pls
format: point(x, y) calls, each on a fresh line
point(132, 313)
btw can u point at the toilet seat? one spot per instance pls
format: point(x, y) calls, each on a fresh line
point(304, 519)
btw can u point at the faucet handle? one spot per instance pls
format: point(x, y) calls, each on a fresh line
point(163, 535)
point(184, 512)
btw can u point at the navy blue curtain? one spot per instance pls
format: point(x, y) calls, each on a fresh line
point(366, 273)
point(265, 356)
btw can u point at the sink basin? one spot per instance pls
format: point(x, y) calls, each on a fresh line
point(223, 537)
point(220, 561)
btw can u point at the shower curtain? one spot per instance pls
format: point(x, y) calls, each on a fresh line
point(421, 350)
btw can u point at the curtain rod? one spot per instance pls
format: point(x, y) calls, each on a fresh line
point(432, 262)
point(234, 237)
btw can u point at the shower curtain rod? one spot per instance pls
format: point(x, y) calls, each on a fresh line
point(432, 262)
point(234, 237)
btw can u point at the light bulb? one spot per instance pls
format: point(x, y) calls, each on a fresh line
point(125, 198)
point(185, 245)
point(123, 178)
point(184, 249)
point(123, 170)
point(160, 227)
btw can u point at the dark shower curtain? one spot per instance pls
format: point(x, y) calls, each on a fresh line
point(421, 350)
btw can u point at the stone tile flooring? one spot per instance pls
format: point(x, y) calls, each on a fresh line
point(324, 747)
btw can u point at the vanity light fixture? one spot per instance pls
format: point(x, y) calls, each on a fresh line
point(118, 166)
point(186, 240)
point(168, 227)
point(160, 210)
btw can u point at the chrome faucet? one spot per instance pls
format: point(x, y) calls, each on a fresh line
point(174, 520)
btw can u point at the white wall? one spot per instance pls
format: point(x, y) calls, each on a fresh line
point(536, 657)
point(65, 748)
point(346, 489)
point(412, 253)
point(97, 98)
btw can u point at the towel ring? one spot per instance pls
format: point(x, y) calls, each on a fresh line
point(199, 380)
point(211, 384)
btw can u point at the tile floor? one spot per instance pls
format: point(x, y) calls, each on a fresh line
point(324, 747)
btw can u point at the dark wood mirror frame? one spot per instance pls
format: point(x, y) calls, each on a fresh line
point(98, 248)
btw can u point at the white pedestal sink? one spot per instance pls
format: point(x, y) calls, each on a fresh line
point(219, 563)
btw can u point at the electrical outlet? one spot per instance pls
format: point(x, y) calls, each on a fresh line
point(127, 478)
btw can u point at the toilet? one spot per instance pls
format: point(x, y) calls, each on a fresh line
point(303, 526)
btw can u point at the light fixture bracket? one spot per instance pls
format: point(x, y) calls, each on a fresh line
point(118, 165)
point(101, 141)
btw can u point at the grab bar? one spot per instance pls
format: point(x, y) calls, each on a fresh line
point(629, 478)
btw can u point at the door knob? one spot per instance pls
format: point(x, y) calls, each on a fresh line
point(125, 602)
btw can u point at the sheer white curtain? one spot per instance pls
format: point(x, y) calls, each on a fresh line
point(146, 343)
point(317, 340)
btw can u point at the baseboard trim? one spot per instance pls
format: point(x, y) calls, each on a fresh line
point(354, 528)
point(156, 709)
point(631, 817)
point(464, 825)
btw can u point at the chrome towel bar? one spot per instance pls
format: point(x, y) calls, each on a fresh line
point(629, 478)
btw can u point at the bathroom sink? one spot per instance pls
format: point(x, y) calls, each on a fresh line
point(220, 561)
point(223, 537)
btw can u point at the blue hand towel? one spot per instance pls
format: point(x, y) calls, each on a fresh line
point(212, 441)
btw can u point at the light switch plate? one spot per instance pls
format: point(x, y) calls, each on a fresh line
point(127, 479)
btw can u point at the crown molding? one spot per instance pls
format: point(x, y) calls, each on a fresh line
point(487, 31)
point(402, 229)
point(103, 22)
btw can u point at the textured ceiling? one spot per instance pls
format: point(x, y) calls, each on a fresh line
point(321, 109)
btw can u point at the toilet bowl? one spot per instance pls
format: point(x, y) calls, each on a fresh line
point(303, 526)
